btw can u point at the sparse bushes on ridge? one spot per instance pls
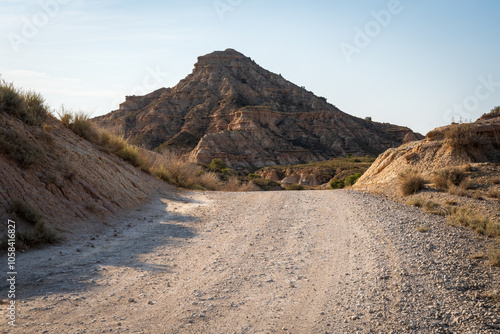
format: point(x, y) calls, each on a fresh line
point(410, 182)
point(81, 124)
point(461, 135)
point(28, 106)
point(494, 112)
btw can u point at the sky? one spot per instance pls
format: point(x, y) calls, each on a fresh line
point(417, 63)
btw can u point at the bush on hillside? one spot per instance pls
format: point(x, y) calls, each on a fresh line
point(337, 184)
point(15, 147)
point(410, 182)
point(28, 106)
point(40, 234)
point(447, 177)
point(461, 135)
point(352, 179)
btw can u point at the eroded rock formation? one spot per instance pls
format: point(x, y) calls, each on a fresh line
point(231, 108)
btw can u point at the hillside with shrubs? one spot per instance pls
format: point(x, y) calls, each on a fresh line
point(454, 172)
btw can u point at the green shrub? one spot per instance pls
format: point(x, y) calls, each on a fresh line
point(26, 212)
point(352, 179)
point(337, 184)
point(217, 166)
point(253, 176)
point(294, 186)
point(266, 184)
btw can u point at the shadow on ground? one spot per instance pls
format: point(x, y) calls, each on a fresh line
point(70, 268)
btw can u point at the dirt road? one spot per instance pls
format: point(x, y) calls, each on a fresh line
point(263, 262)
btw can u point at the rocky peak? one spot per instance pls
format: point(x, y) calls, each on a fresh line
point(231, 108)
point(226, 58)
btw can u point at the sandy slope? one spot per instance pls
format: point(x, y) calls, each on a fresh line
point(297, 262)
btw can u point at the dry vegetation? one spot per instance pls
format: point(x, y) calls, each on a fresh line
point(466, 217)
point(411, 182)
point(39, 234)
point(27, 106)
point(170, 167)
point(462, 135)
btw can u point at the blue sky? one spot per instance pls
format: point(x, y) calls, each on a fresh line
point(410, 62)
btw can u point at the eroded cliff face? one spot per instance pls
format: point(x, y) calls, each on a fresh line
point(233, 109)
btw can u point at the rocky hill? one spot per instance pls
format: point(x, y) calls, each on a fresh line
point(472, 148)
point(231, 108)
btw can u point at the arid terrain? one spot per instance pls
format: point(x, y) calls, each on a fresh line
point(262, 262)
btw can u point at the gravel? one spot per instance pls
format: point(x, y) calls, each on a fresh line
point(264, 262)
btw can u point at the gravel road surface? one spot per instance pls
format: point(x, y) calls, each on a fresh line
point(262, 262)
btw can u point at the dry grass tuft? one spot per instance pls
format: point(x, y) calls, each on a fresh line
point(448, 177)
point(423, 229)
point(429, 206)
point(410, 182)
point(233, 184)
point(80, 123)
point(477, 256)
point(494, 257)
